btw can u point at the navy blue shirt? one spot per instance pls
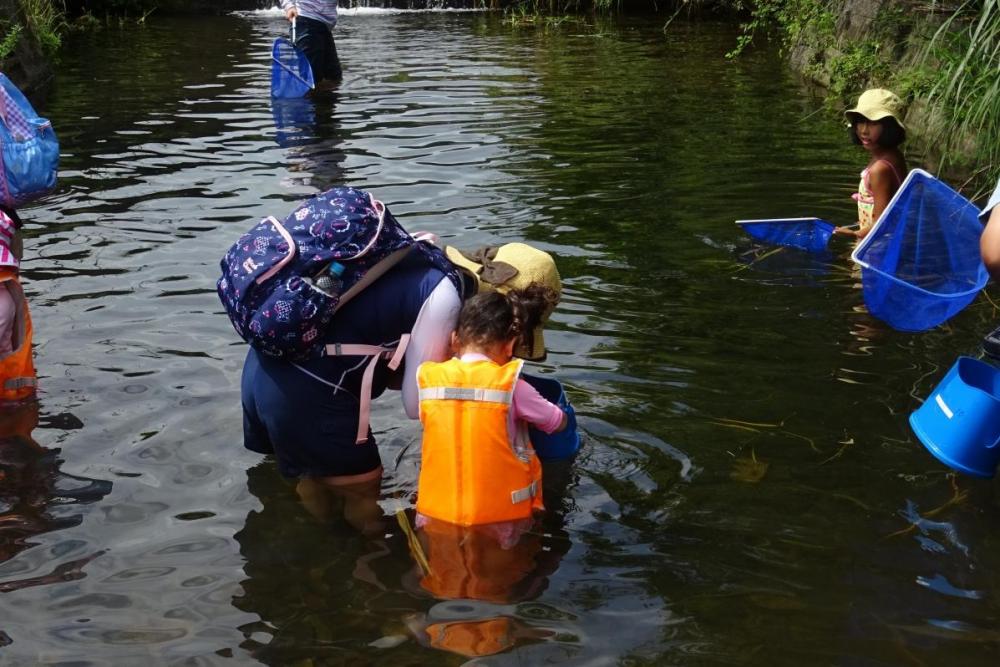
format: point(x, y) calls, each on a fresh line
point(294, 410)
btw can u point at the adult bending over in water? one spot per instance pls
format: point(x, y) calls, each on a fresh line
point(307, 414)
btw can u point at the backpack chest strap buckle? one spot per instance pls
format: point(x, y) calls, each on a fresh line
point(394, 355)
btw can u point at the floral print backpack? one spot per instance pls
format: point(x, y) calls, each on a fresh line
point(268, 285)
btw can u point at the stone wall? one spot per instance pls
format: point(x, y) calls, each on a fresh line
point(876, 43)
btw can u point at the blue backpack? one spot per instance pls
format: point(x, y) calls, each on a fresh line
point(29, 150)
point(267, 285)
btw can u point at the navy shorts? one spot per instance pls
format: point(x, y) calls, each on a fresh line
point(295, 417)
point(315, 39)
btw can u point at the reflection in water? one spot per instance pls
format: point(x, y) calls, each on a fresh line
point(306, 126)
point(479, 577)
point(294, 120)
point(302, 572)
point(34, 494)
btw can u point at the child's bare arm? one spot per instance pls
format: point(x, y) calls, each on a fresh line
point(989, 244)
point(883, 185)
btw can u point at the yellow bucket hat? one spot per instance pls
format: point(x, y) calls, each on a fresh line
point(879, 103)
point(507, 267)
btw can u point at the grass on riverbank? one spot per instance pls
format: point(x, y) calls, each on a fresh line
point(943, 59)
point(41, 21)
point(964, 55)
point(44, 19)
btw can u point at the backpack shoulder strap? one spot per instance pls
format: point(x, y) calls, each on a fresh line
point(394, 354)
point(373, 274)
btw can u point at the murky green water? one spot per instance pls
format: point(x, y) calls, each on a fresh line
point(748, 492)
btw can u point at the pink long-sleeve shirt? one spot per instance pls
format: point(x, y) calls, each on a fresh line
point(527, 404)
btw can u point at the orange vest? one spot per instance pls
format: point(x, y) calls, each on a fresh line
point(471, 472)
point(17, 369)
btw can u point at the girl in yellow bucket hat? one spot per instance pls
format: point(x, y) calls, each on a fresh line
point(876, 124)
point(514, 266)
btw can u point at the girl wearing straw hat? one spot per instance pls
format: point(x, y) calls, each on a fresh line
point(876, 125)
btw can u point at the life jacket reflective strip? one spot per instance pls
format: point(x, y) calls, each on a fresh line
point(472, 472)
point(17, 369)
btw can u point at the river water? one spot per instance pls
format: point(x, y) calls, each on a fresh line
point(748, 490)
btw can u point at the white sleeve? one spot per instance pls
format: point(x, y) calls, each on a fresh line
point(993, 202)
point(430, 339)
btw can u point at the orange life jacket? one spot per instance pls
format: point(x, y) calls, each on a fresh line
point(17, 369)
point(472, 471)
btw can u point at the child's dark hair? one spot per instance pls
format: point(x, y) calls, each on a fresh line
point(892, 133)
point(489, 318)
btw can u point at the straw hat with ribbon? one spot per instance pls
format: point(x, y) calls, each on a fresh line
point(507, 267)
point(878, 103)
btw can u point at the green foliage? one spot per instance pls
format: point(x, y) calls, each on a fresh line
point(556, 7)
point(964, 55)
point(956, 77)
point(44, 21)
point(861, 65)
point(10, 40)
point(792, 20)
point(524, 15)
point(915, 81)
point(86, 22)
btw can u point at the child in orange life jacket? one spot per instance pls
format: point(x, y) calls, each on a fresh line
point(477, 464)
point(876, 125)
point(17, 370)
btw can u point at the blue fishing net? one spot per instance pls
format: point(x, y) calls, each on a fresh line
point(810, 234)
point(921, 264)
point(291, 75)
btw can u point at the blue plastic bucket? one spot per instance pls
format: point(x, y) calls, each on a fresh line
point(960, 422)
point(565, 443)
